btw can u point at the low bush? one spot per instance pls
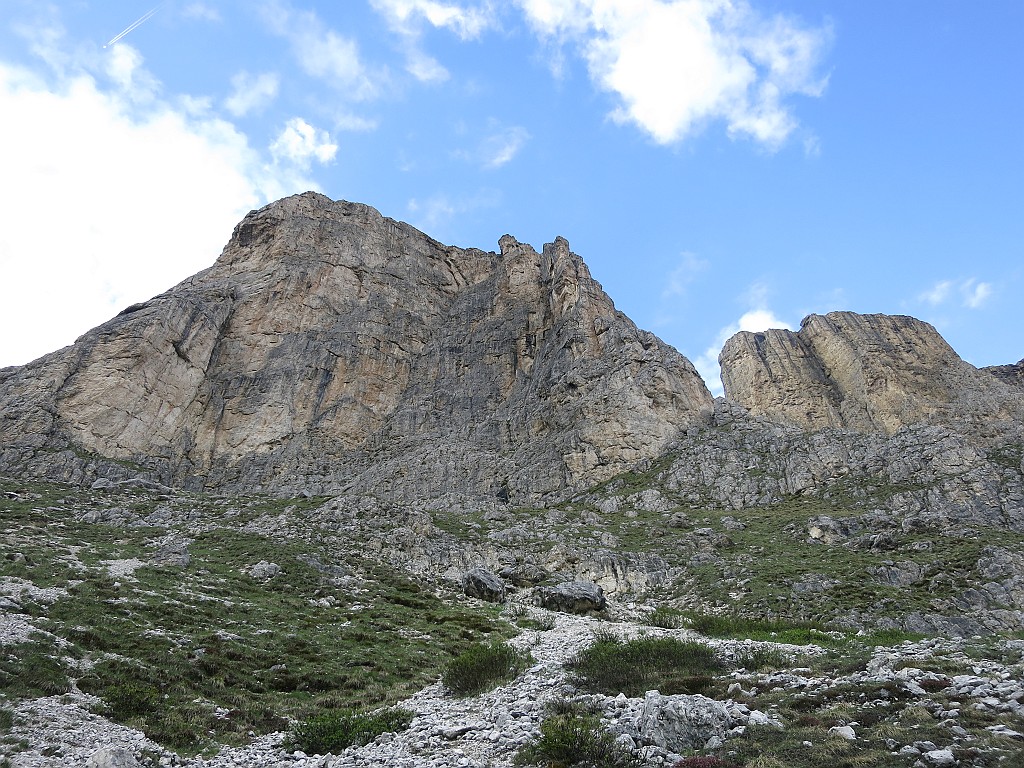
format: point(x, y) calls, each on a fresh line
point(611, 666)
point(483, 667)
point(31, 670)
point(334, 731)
point(570, 737)
point(759, 659)
point(665, 618)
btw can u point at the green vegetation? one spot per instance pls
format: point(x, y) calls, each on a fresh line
point(203, 653)
point(32, 669)
point(747, 628)
point(610, 666)
point(665, 617)
point(763, 659)
point(569, 737)
point(332, 732)
point(484, 666)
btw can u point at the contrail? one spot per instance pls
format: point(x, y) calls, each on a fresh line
point(134, 25)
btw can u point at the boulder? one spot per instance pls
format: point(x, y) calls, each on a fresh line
point(678, 723)
point(572, 597)
point(264, 571)
point(523, 574)
point(112, 757)
point(482, 584)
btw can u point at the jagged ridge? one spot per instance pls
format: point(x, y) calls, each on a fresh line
point(331, 348)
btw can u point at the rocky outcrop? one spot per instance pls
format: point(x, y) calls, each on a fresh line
point(483, 585)
point(330, 348)
point(1011, 374)
point(580, 597)
point(870, 373)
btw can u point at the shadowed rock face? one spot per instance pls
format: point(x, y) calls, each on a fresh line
point(1011, 374)
point(870, 373)
point(330, 348)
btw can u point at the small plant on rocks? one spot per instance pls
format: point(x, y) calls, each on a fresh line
point(665, 617)
point(571, 737)
point(483, 667)
point(611, 666)
point(332, 732)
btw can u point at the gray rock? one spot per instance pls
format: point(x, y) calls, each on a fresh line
point(482, 584)
point(175, 554)
point(843, 732)
point(263, 570)
point(679, 723)
point(523, 574)
point(579, 597)
point(112, 757)
point(324, 329)
point(940, 757)
point(871, 373)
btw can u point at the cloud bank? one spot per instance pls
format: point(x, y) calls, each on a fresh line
point(675, 66)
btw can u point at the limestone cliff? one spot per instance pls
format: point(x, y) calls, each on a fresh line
point(1011, 374)
point(870, 373)
point(331, 348)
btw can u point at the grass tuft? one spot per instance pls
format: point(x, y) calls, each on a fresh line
point(570, 737)
point(611, 666)
point(484, 666)
point(333, 732)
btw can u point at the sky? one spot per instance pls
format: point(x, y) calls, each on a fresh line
point(719, 164)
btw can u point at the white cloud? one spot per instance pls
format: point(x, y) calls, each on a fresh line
point(501, 147)
point(108, 200)
point(754, 321)
point(407, 17)
point(467, 21)
point(424, 67)
point(938, 293)
point(685, 273)
point(201, 12)
point(123, 65)
point(346, 121)
point(300, 143)
point(251, 93)
point(433, 213)
point(975, 294)
point(676, 65)
point(322, 52)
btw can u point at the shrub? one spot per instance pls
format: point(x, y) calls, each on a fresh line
point(611, 666)
point(334, 731)
point(33, 671)
point(762, 658)
point(570, 736)
point(483, 667)
point(665, 617)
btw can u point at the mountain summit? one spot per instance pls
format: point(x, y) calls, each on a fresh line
point(330, 348)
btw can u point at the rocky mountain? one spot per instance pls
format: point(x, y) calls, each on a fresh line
point(299, 481)
point(869, 373)
point(330, 348)
point(1012, 374)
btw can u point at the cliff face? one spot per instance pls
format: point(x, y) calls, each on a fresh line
point(330, 348)
point(869, 373)
point(1011, 374)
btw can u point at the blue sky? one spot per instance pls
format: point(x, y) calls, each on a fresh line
point(718, 163)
